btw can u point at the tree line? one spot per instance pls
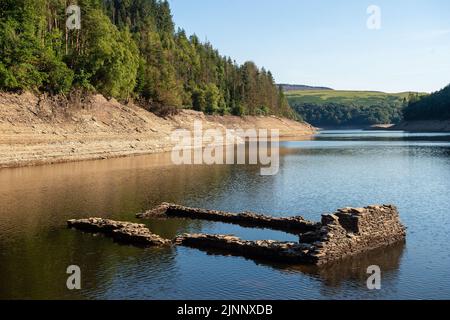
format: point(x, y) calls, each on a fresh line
point(337, 114)
point(431, 107)
point(127, 49)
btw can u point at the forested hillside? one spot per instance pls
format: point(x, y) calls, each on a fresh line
point(349, 108)
point(127, 49)
point(433, 107)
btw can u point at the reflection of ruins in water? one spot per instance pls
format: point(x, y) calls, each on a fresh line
point(353, 268)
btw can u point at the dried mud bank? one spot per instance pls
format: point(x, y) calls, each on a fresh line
point(38, 130)
point(346, 232)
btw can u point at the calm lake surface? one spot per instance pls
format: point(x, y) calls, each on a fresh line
point(332, 170)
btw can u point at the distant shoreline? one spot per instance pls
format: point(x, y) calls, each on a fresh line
point(408, 126)
point(423, 126)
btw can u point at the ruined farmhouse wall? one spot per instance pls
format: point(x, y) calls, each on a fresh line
point(353, 230)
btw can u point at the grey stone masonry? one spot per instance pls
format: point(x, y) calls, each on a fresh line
point(346, 232)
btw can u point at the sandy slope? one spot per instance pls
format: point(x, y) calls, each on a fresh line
point(38, 130)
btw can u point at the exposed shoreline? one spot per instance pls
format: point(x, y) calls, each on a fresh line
point(37, 130)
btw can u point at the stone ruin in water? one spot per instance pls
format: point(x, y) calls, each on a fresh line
point(346, 232)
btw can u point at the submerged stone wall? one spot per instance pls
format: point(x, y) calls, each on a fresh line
point(344, 233)
point(126, 232)
point(353, 230)
point(288, 252)
point(294, 225)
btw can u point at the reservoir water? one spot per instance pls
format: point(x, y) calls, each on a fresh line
point(331, 170)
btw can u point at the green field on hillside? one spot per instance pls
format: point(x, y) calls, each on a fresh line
point(357, 98)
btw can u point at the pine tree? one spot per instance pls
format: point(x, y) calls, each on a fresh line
point(127, 49)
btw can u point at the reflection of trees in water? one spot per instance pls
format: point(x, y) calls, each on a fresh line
point(36, 267)
point(375, 151)
point(35, 246)
point(36, 198)
point(351, 136)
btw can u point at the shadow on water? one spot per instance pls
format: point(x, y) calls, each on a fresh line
point(353, 268)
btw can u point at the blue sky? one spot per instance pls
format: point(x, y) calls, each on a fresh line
point(327, 42)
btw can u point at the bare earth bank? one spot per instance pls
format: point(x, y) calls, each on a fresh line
point(38, 130)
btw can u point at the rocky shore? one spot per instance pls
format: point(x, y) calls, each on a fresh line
point(346, 232)
point(37, 130)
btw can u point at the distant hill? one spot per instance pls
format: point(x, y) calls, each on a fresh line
point(348, 108)
point(301, 87)
point(357, 98)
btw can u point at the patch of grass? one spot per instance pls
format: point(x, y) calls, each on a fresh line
point(355, 98)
